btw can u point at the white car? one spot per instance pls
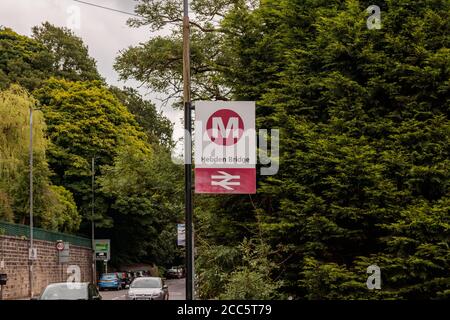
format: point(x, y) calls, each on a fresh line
point(148, 288)
point(175, 273)
point(70, 291)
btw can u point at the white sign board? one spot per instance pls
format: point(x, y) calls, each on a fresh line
point(225, 147)
point(64, 254)
point(32, 253)
point(181, 235)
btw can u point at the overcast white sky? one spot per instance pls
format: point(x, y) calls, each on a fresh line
point(104, 32)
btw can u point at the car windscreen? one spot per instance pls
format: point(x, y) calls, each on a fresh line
point(146, 283)
point(108, 277)
point(65, 292)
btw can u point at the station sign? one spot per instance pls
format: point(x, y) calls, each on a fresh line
point(225, 147)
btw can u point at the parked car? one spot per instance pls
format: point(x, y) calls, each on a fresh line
point(175, 273)
point(109, 281)
point(148, 288)
point(140, 274)
point(124, 279)
point(130, 276)
point(70, 291)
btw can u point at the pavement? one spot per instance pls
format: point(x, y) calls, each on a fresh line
point(176, 291)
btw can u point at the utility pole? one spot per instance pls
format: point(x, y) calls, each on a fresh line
point(94, 265)
point(30, 257)
point(188, 153)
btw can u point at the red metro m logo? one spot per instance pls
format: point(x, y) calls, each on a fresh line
point(225, 127)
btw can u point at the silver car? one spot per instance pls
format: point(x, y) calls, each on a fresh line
point(70, 291)
point(148, 288)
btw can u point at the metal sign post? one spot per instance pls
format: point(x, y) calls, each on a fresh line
point(94, 261)
point(188, 153)
point(31, 207)
point(63, 252)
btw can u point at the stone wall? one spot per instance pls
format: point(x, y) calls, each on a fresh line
point(46, 269)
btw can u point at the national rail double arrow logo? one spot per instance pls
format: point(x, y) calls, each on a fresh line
point(225, 180)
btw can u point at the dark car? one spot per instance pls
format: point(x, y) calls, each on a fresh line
point(124, 279)
point(139, 274)
point(70, 291)
point(130, 277)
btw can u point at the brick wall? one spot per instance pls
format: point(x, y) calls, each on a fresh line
point(46, 269)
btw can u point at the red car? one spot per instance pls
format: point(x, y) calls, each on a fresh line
point(124, 279)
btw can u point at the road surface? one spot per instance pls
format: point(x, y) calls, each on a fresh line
point(176, 291)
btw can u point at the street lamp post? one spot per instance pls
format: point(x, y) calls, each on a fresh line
point(94, 278)
point(188, 153)
point(30, 257)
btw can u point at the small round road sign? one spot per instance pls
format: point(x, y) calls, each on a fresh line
point(60, 246)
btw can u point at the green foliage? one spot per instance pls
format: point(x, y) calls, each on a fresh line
point(363, 114)
point(253, 279)
point(63, 211)
point(158, 62)
point(229, 219)
point(84, 120)
point(53, 52)
point(161, 272)
point(330, 281)
point(157, 127)
point(15, 106)
point(54, 207)
point(22, 60)
point(364, 152)
point(71, 60)
point(213, 267)
point(240, 272)
point(147, 191)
